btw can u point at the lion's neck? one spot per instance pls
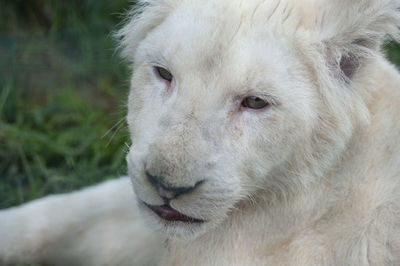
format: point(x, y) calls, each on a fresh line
point(253, 230)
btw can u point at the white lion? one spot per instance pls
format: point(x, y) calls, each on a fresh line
point(264, 132)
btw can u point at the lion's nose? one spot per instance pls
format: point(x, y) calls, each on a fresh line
point(168, 192)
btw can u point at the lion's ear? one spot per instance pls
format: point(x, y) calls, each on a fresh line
point(144, 16)
point(353, 30)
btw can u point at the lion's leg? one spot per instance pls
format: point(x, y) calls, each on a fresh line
point(95, 226)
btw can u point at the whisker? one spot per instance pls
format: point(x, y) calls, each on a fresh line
point(113, 127)
point(120, 125)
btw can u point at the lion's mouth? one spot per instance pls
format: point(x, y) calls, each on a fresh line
point(168, 213)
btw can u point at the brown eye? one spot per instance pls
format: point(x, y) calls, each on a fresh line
point(254, 102)
point(164, 74)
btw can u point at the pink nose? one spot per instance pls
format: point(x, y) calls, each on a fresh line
point(165, 193)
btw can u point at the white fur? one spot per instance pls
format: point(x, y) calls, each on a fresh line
point(312, 180)
point(95, 226)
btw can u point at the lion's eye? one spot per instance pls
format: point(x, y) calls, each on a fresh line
point(164, 74)
point(254, 102)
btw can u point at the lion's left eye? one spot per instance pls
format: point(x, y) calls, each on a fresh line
point(254, 102)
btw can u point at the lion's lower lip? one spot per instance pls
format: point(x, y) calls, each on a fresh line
point(166, 212)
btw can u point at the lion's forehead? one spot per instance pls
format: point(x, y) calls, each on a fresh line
point(199, 42)
point(257, 12)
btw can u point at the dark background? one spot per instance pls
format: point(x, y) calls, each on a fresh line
point(62, 96)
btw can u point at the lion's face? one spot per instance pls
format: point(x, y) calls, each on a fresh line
point(218, 106)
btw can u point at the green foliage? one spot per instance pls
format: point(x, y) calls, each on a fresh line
point(62, 94)
point(393, 52)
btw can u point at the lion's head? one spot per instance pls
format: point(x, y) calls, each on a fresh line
point(236, 100)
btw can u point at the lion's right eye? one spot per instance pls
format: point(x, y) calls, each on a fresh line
point(164, 74)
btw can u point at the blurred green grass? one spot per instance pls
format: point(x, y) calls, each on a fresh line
point(62, 95)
